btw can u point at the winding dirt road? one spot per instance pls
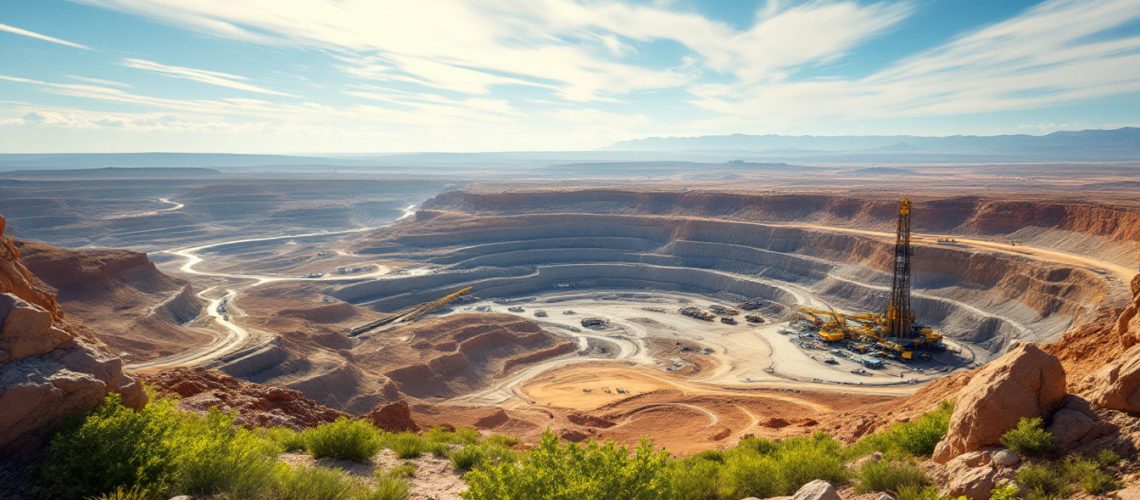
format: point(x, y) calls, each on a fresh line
point(219, 308)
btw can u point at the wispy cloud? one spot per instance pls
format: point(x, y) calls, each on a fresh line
point(39, 36)
point(98, 81)
point(1052, 54)
point(218, 78)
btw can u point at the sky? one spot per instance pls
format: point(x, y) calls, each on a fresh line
point(365, 76)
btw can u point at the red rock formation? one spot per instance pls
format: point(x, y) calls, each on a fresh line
point(49, 367)
point(139, 312)
point(393, 417)
point(256, 405)
point(1025, 382)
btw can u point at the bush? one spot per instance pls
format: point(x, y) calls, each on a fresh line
point(696, 478)
point(1041, 481)
point(407, 445)
point(913, 492)
point(346, 439)
point(1107, 458)
point(916, 438)
point(134, 493)
point(751, 475)
point(479, 455)
point(218, 458)
point(1006, 492)
point(392, 485)
point(554, 470)
point(1029, 439)
point(802, 460)
point(312, 483)
point(893, 476)
point(114, 448)
point(1088, 475)
point(288, 439)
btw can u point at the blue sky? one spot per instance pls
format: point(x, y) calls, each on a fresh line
point(309, 76)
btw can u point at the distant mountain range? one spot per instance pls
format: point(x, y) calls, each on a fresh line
point(1119, 144)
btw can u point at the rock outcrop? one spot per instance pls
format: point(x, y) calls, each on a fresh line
point(1025, 382)
point(394, 417)
point(49, 367)
point(256, 405)
point(1117, 385)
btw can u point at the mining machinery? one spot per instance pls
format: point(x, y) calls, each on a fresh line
point(410, 313)
point(893, 332)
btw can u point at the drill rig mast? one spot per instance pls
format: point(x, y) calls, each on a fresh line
point(899, 317)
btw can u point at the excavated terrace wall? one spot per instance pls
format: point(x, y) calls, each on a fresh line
point(983, 298)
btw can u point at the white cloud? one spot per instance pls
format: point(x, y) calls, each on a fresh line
point(218, 78)
point(98, 81)
point(40, 36)
point(577, 49)
point(1048, 55)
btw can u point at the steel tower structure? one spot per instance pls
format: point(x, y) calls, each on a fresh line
point(899, 317)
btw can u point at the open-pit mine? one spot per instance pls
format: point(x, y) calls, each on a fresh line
point(607, 311)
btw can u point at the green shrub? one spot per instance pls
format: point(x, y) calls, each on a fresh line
point(407, 445)
point(1087, 474)
point(133, 493)
point(758, 445)
point(892, 476)
point(288, 439)
point(114, 448)
point(312, 483)
point(1030, 439)
point(404, 470)
point(697, 479)
point(346, 439)
point(218, 458)
point(916, 438)
point(502, 440)
point(389, 486)
point(802, 460)
point(479, 455)
point(915, 492)
point(1041, 481)
point(462, 435)
point(1107, 458)
point(1005, 492)
point(751, 475)
point(572, 471)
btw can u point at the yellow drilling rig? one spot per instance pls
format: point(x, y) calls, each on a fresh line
point(894, 332)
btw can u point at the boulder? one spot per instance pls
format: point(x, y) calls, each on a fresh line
point(1117, 385)
point(394, 417)
point(1025, 382)
point(974, 483)
point(816, 490)
point(1076, 422)
point(1005, 458)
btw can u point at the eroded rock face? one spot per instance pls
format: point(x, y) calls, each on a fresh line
point(1117, 385)
point(394, 417)
point(49, 368)
point(1025, 382)
point(256, 405)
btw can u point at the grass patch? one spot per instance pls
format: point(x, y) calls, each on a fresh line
point(1029, 439)
point(480, 455)
point(407, 445)
point(915, 438)
point(288, 439)
point(568, 470)
point(345, 439)
point(895, 476)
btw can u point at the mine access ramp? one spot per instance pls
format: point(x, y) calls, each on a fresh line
point(409, 314)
